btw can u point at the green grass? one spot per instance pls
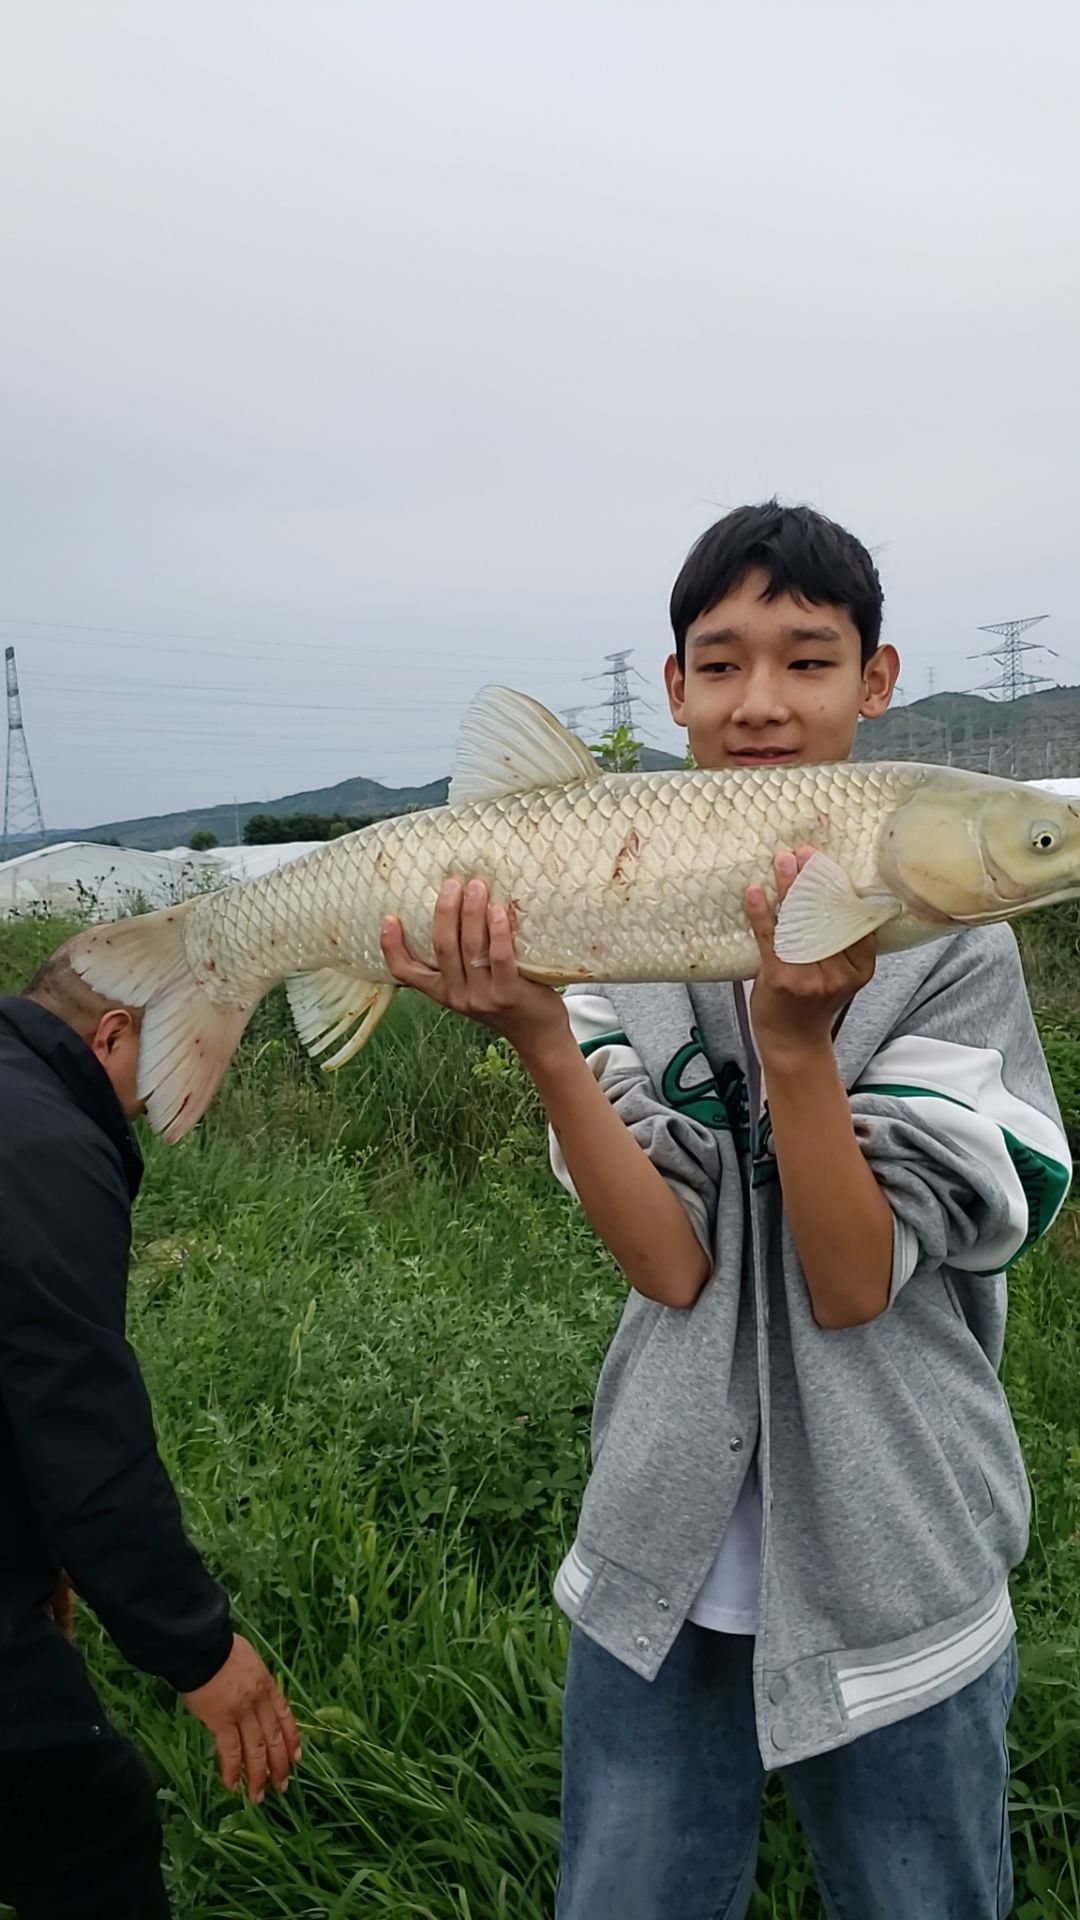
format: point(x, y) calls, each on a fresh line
point(371, 1327)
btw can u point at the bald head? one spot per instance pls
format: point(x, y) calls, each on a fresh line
point(110, 1030)
point(57, 986)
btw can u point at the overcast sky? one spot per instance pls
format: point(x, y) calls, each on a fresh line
point(354, 353)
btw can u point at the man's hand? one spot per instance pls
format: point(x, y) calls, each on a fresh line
point(61, 1608)
point(249, 1718)
point(476, 971)
point(794, 1007)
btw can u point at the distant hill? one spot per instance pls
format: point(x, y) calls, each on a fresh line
point(349, 798)
point(1034, 738)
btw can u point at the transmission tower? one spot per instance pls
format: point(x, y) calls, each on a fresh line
point(1013, 681)
point(622, 702)
point(929, 683)
point(571, 716)
point(24, 825)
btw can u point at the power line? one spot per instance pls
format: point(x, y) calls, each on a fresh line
point(207, 700)
point(450, 657)
point(215, 640)
point(253, 690)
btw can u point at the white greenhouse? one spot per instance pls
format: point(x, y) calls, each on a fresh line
point(78, 876)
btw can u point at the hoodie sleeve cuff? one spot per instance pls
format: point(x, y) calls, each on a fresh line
point(196, 1669)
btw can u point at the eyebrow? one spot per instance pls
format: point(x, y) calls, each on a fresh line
point(733, 636)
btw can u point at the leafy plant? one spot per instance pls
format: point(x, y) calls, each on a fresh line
point(618, 751)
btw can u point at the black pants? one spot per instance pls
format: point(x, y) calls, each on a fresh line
point(80, 1837)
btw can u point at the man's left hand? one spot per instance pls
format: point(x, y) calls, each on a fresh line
point(795, 1007)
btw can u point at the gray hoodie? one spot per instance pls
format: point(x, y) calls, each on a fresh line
point(894, 1496)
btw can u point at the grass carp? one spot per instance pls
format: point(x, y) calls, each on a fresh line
point(612, 877)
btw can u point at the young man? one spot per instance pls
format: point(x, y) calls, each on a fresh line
point(82, 1488)
point(807, 1492)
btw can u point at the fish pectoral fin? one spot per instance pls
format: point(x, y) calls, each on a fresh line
point(823, 914)
point(511, 744)
point(327, 1002)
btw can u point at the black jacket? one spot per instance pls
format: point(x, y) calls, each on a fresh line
point(81, 1484)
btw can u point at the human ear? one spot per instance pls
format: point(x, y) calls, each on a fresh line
point(880, 675)
point(675, 682)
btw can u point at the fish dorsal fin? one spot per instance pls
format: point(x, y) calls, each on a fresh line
point(823, 914)
point(511, 744)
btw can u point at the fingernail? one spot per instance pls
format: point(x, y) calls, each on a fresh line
point(786, 863)
point(472, 891)
point(448, 889)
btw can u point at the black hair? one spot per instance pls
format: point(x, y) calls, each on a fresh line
point(802, 553)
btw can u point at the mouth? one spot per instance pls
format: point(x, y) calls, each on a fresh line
point(761, 756)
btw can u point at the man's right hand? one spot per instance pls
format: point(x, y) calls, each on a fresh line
point(249, 1718)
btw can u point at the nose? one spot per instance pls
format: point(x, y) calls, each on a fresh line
point(762, 701)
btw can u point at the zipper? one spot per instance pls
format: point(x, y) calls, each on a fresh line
point(761, 1322)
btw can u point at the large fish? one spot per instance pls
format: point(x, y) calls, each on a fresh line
point(605, 876)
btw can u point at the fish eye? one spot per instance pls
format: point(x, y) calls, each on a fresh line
point(1044, 836)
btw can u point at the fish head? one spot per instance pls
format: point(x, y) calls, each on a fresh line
point(983, 850)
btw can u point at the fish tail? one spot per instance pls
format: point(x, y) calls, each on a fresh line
point(187, 1040)
point(326, 1002)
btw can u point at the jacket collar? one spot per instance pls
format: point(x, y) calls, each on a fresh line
point(84, 1077)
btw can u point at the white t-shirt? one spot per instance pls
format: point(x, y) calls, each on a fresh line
point(729, 1594)
point(728, 1599)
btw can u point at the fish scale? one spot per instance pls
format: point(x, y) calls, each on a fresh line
point(608, 877)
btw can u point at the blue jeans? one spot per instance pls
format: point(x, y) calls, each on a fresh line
point(662, 1786)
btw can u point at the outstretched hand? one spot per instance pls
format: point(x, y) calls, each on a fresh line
point(476, 970)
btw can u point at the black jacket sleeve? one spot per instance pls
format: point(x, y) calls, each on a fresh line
point(80, 1415)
